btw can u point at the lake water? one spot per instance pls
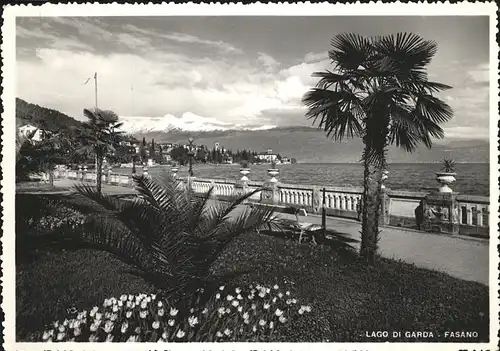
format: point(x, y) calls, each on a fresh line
point(472, 178)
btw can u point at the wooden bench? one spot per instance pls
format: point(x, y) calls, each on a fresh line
point(313, 231)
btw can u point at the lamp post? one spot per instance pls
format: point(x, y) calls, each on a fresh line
point(191, 154)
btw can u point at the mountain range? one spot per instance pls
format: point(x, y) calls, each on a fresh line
point(305, 144)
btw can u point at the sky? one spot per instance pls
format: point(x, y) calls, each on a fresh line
point(239, 70)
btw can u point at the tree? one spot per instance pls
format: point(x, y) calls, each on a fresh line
point(142, 150)
point(170, 236)
point(152, 153)
point(99, 137)
point(378, 91)
point(159, 157)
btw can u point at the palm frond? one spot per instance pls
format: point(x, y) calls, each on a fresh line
point(350, 51)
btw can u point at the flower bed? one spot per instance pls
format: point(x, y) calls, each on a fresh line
point(252, 314)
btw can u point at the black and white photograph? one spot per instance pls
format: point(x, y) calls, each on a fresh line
point(237, 174)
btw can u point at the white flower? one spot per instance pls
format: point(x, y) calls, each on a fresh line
point(217, 296)
point(246, 315)
point(221, 287)
point(307, 308)
point(191, 310)
point(280, 295)
point(274, 300)
point(120, 303)
point(128, 314)
point(218, 334)
point(62, 328)
point(237, 290)
point(144, 304)
point(164, 336)
point(173, 312)
point(288, 301)
point(130, 297)
point(266, 306)
point(132, 338)
point(115, 308)
point(239, 297)
point(193, 321)
point(156, 325)
point(268, 290)
point(240, 309)
point(77, 331)
point(124, 327)
point(278, 312)
point(148, 299)
point(227, 332)
point(123, 298)
point(171, 322)
point(287, 293)
point(93, 338)
point(46, 335)
point(153, 296)
point(109, 338)
point(254, 328)
point(246, 321)
point(235, 303)
point(262, 322)
point(221, 310)
point(229, 298)
point(98, 316)
point(282, 319)
point(205, 311)
point(161, 312)
point(180, 334)
point(250, 297)
point(294, 301)
point(262, 293)
point(60, 336)
point(137, 330)
point(93, 327)
point(143, 314)
point(160, 304)
point(228, 310)
point(254, 306)
point(108, 327)
point(301, 311)
point(276, 287)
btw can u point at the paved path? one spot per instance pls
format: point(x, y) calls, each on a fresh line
point(459, 257)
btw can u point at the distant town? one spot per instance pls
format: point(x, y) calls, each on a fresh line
point(132, 152)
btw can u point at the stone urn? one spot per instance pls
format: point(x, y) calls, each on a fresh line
point(273, 172)
point(445, 179)
point(244, 171)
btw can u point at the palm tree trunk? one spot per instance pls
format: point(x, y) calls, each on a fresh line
point(98, 172)
point(370, 211)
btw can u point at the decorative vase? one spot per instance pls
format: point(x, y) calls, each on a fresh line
point(273, 172)
point(445, 179)
point(244, 172)
point(384, 178)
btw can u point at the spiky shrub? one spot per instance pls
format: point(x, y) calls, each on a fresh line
point(170, 235)
point(448, 165)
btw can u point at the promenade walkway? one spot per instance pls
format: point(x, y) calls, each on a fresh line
point(463, 258)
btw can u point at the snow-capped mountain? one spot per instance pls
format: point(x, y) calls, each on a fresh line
point(189, 122)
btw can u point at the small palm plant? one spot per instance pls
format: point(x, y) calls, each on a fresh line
point(170, 235)
point(448, 165)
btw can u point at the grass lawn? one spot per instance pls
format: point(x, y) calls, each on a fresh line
point(348, 300)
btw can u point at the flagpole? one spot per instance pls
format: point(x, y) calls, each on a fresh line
point(95, 86)
point(95, 83)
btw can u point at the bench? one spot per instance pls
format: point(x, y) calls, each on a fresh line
point(313, 231)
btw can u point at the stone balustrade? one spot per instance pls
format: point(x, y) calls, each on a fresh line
point(400, 206)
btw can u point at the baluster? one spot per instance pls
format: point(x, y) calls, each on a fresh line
point(480, 216)
point(469, 214)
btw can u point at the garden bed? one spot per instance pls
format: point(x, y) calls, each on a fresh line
point(348, 300)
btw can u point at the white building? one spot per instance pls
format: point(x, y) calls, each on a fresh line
point(268, 156)
point(28, 129)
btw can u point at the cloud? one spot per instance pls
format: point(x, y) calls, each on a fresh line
point(480, 73)
point(467, 132)
point(267, 61)
point(312, 57)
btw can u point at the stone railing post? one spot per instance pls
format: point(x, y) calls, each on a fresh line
point(175, 169)
point(80, 173)
point(385, 218)
point(109, 175)
point(270, 190)
point(317, 200)
point(241, 186)
point(145, 170)
point(441, 213)
point(84, 173)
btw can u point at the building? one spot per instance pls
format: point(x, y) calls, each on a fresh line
point(268, 156)
point(35, 132)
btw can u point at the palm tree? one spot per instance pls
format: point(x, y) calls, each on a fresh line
point(99, 137)
point(170, 236)
point(378, 91)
